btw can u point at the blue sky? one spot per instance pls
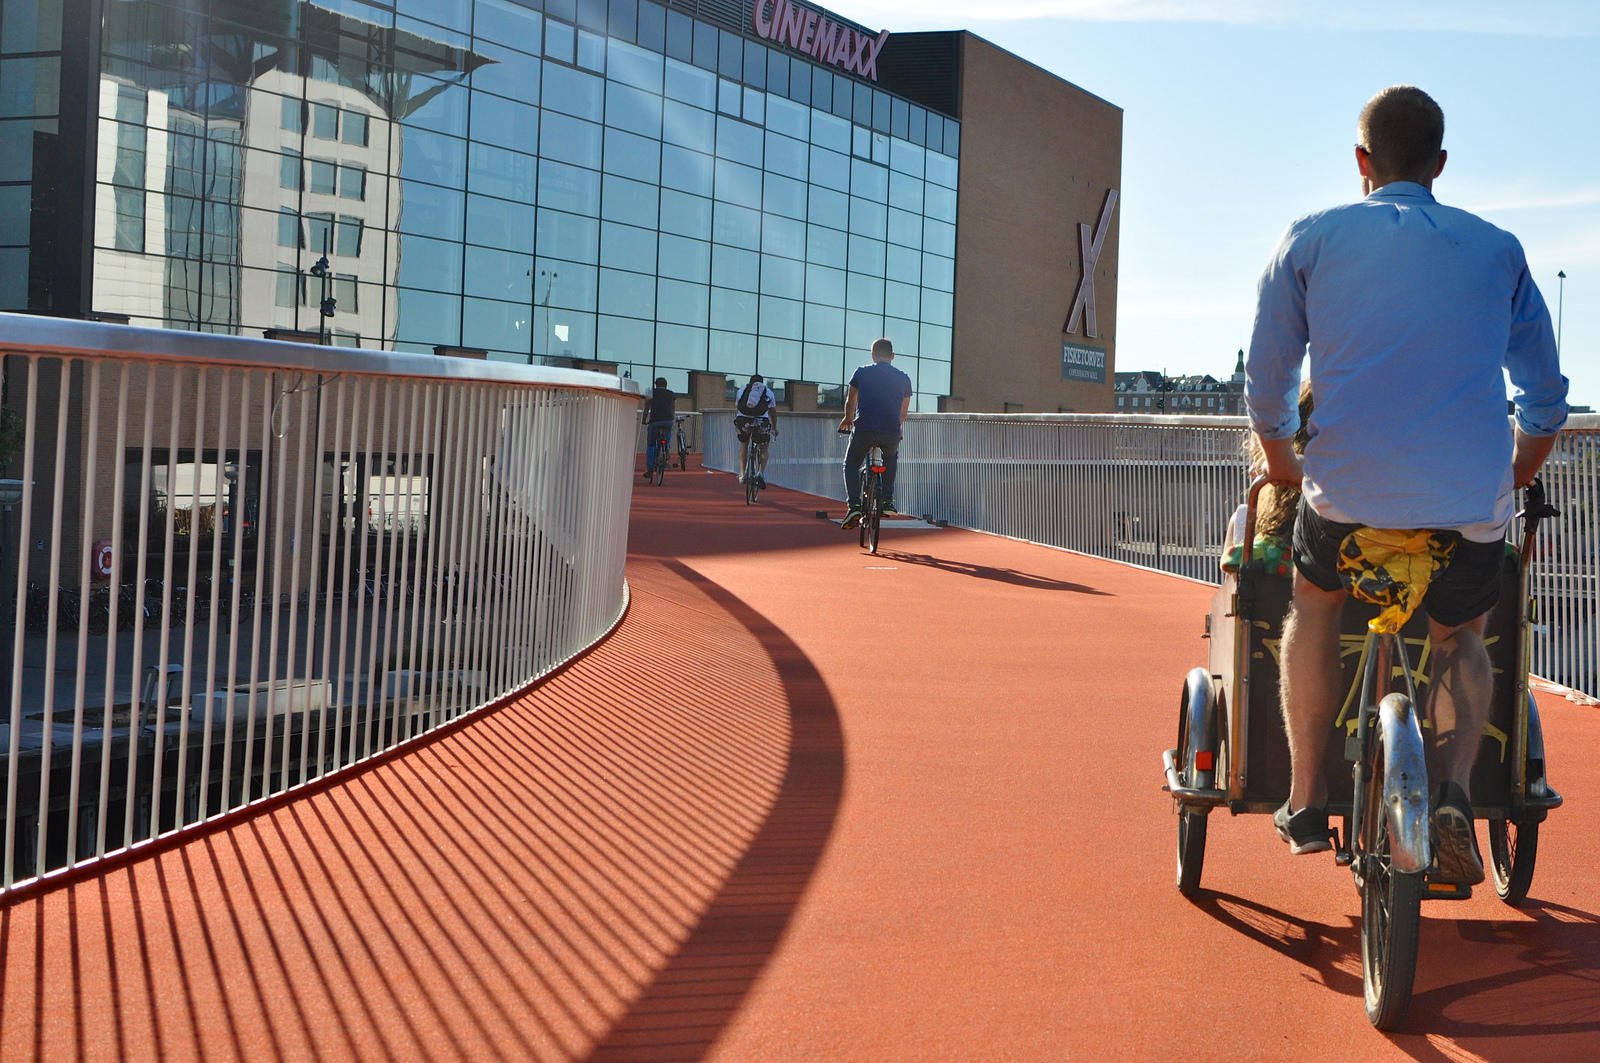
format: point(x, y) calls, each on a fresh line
point(1239, 115)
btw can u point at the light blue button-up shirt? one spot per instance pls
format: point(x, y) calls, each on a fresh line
point(1413, 312)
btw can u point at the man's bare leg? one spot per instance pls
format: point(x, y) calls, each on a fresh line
point(1461, 682)
point(1309, 686)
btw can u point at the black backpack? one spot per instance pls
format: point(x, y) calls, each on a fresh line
point(757, 409)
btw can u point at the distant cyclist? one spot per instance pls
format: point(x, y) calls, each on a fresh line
point(756, 410)
point(874, 409)
point(658, 422)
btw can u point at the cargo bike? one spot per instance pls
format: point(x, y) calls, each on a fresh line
point(1232, 753)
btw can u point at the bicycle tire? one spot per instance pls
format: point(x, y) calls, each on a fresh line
point(869, 513)
point(1192, 823)
point(751, 491)
point(660, 472)
point(1513, 851)
point(1391, 908)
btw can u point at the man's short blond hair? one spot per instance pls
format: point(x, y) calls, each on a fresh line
point(882, 348)
point(1402, 129)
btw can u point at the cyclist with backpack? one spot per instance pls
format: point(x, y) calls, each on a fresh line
point(756, 411)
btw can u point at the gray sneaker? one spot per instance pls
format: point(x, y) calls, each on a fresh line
point(1306, 831)
point(1455, 843)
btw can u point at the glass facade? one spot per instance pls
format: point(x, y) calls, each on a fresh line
point(580, 180)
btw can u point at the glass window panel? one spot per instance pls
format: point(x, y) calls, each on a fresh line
point(919, 125)
point(734, 311)
point(861, 142)
point(786, 156)
point(568, 236)
point(688, 126)
point(432, 157)
point(735, 225)
point(755, 65)
point(935, 343)
point(869, 181)
point(320, 176)
point(652, 26)
point(905, 229)
point(865, 293)
point(352, 181)
point(939, 272)
point(507, 23)
point(639, 67)
point(728, 97)
point(427, 317)
point(633, 202)
point(843, 94)
point(705, 46)
point(732, 267)
point(783, 196)
point(905, 192)
point(904, 264)
point(755, 106)
point(829, 208)
point(569, 188)
point(680, 301)
point(688, 171)
point(940, 203)
point(625, 340)
point(824, 324)
point(783, 277)
point(592, 14)
point(830, 168)
point(681, 345)
point(623, 20)
point(591, 51)
point(443, 108)
point(633, 109)
point(568, 285)
point(354, 129)
point(691, 85)
point(799, 80)
point(830, 132)
point(779, 358)
point(289, 234)
point(289, 116)
point(782, 317)
point(783, 236)
point(777, 80)
point(788, 118)
point(880, 111)
point(684, 259)
point(497, 120)
point(347, 239)
point(733, 353)
point(628, 155)
point(560, 41)
point(570, 140)
point(738, 141)
point(935, 138)
point(289, 172)
point(938, 308)
point(868, 218)
point(952, 137)
point(499, 223)
point(934, 375)
point(568, 334)
point(291, 287)
point(900, 119)
point(573, 92)
point(861, 329)
point(824, 285)
point(428, 210)
point(866, 256)
point(324, 121)
point(738, 184)
point(907, 158)
point(862, 107)
point(496, 274)
point(730, 55)
point(498, 172)
point(941, 170)
point(823, 363)
point(939, 237)
point(901, 299)
point(508, 75)
point(680, 38)
point(826, 246)
point(627, 247)
point(627, 294)
point(821, 89)
point(685, 215)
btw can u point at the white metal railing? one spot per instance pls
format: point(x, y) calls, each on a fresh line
point(1157, 491)
point(233, 567)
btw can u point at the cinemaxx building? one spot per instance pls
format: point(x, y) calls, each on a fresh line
point(713, 186)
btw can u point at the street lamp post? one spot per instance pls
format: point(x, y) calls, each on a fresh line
point(1561, 299)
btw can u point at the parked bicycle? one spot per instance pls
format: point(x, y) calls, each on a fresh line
point(683, 443)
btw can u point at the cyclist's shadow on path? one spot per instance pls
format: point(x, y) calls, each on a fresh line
point(702, 985)
point(1479, 982)
point(989, 572)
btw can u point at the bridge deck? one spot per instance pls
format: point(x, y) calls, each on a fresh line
point(803, 804)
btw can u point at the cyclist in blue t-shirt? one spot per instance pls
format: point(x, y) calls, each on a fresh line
point(879, 398)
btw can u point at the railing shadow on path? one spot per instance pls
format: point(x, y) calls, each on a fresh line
point(1480, 983)
point(989, 572)
point(685, 1008)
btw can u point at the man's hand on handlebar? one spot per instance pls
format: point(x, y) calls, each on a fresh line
point(1283, 464)
point(844, 426)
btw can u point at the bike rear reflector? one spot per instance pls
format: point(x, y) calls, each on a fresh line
point(878, 468)
point(1205, 760)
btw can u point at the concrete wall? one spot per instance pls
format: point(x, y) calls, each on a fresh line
point(1037, 157)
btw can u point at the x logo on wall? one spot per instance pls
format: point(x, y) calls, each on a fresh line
point(1089, 247)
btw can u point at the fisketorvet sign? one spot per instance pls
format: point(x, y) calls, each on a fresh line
point(812, 33)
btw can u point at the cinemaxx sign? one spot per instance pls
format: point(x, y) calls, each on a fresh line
point(810, 32)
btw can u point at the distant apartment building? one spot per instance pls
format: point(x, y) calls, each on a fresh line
point(1148, 391)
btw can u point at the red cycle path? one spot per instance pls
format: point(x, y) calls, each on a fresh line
point(805, 804)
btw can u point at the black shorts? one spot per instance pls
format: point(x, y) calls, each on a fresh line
point(1466, 589)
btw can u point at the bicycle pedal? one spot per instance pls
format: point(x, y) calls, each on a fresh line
point(1445, 891)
